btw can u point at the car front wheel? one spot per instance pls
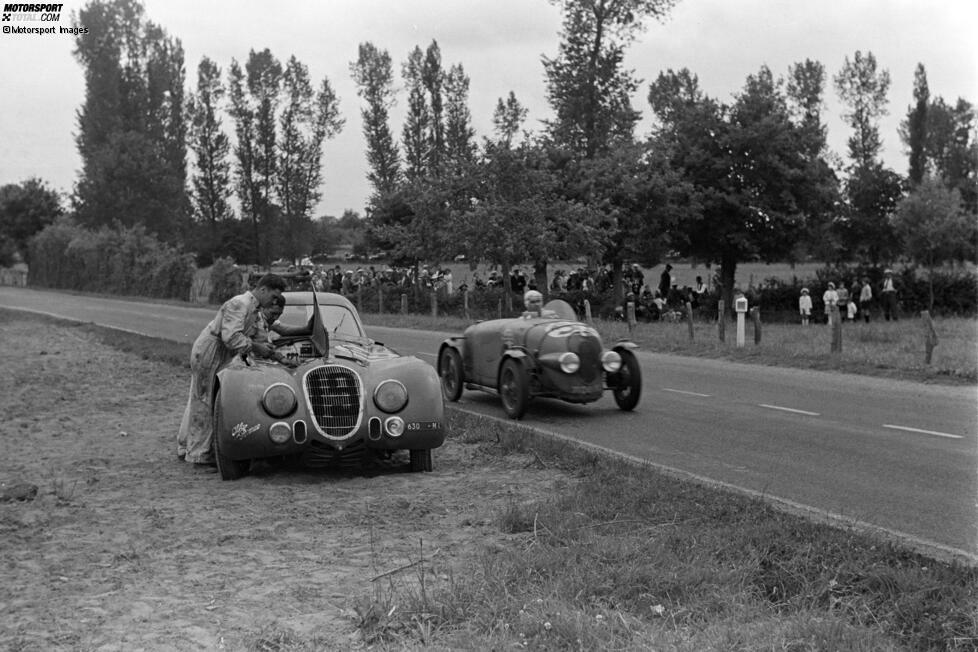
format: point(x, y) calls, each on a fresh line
point(450, 370)
point(229, 469)
point(514, 388)
point(628, 387)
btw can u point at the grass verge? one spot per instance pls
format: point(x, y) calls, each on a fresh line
point(627, 559)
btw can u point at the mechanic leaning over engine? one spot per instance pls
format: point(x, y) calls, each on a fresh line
point(232, 332)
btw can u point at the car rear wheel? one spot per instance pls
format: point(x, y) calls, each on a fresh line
point(514, 388)
point(628, 385)
point(421, 460)
point(229, 469)
point(450, 370)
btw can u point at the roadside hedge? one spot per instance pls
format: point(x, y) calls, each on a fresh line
point(120, 260)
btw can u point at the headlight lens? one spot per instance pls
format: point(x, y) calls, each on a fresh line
point(394, 426)
point(569, 362)
point(391, 396)
point(279, 400)
point(280, 432)
point(611, 361)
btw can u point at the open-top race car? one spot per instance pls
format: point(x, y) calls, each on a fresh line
point(348, 398)
point(548, 354)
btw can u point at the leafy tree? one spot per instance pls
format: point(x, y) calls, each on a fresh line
point(307, 119)
point(374, 78)
point(863, 89)
point(211, 180)
point(749, 164)
point(460, 147)
point(913, 131)
point(934, 228)
point(587, 86)
point(131, 127)
point(640, 203)
point(863, 228)
point(26, 208)
point(517, 212)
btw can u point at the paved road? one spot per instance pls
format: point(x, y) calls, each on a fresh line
point(895, 455)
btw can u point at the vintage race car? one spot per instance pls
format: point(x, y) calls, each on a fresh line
point(550, 356)
point(350, 398)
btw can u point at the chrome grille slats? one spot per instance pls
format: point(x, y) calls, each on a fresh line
point(588, 349)
point(335, 399)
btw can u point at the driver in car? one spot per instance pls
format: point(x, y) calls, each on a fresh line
point(533, 302)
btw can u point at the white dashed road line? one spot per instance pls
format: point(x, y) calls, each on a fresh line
point(923, 432)
point(681, 391)
point(787, 409)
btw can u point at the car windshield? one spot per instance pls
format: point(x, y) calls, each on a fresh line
point(339, 321)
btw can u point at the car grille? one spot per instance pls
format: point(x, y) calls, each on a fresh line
point(588, 349)
point(334, 398)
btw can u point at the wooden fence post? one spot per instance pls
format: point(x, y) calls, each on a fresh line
point(404, 304)
point(721, 319)
point(380, 299)
point(434, 303)
point(755, 315)
point(587, 311)
point(465, 305)
point(836, 328)
point(360, 297)
point(689, 319)
point(499, 309)
point(630, 316)
point(930, 335)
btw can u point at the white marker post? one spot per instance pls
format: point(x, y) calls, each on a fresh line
point(740, 306)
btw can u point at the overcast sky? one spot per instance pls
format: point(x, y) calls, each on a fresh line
point(500, 44)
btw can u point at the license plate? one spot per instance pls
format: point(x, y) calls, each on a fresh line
point(421, 426)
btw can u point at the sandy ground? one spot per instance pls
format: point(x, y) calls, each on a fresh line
point(126, 548)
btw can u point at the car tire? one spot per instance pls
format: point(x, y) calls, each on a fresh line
point(514, 388)
point(628, 386)
point(421, 460)
point(451, 373)
point(228, 468)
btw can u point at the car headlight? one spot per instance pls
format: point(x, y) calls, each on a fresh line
point(611, 361)
point(391, 396)
point(279, 400)
point(569, 362)
point(394, 426)
point(280, 432)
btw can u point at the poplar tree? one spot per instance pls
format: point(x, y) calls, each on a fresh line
point(131, 126)
point(587, 86)
point(460, 144)
point(373, 74)
point(308, 118)
point(913, 131)
point(417, 124)
point(211, 178)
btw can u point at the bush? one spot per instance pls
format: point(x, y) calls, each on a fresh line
point(225, 281)
point(117, 260)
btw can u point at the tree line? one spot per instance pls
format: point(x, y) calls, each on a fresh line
point(722, 182)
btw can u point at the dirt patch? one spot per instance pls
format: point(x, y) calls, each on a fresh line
point(124, 547)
